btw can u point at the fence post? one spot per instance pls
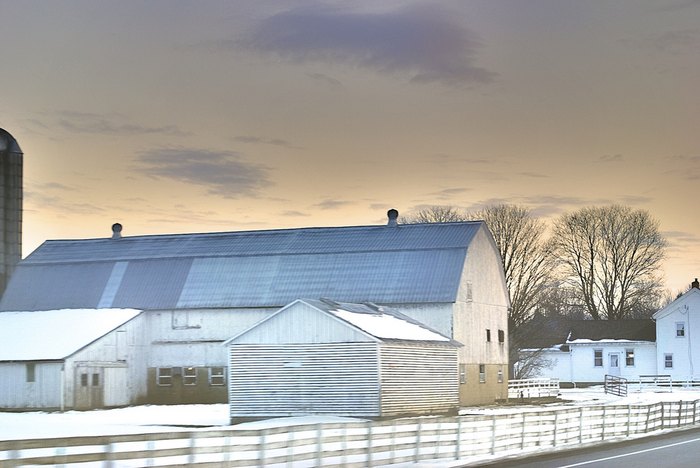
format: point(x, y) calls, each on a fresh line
point(418, 442)
point(370, 447)
point(602, 435)
point(663, 415)
point(580, 425)
point(522, 439)
point(629, 419)
point(695, 410)
point(319, 443)
point(556, 421)
point(458, 441)
point(263, 444)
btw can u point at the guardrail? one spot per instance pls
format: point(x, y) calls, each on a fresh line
point(533, 388)
point(360, 444)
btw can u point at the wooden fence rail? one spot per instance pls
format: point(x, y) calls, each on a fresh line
point(357, 444)
point(533, 388)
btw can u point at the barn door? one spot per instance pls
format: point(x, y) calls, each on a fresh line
point(89, 387)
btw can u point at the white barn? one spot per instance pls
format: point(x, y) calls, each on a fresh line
point(198, 290)
point(324, 357)
point(69, 359)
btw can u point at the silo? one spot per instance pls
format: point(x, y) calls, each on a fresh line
point(10, 206)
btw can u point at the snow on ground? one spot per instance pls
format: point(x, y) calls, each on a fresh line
point(155, 418)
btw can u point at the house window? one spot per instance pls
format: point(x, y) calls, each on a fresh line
point(189, 376)
point(597, 358)
point(164, 376)
point(629, 357)
point(668, 361)
point(482, 373)
point(680, 329)
point(217, 377)
point(500, 374)
point(462, 373)
point(501, 336)
point(31, 372)
point(488, 335)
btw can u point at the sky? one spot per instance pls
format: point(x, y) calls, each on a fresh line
point(201, 116)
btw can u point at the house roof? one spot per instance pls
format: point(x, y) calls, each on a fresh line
point(543, 332)
point(692, 294)
point(417, 263)
point(55, 334)
point(382, 323)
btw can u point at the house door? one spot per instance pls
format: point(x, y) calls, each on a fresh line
point(89, 387)
point(614, 360)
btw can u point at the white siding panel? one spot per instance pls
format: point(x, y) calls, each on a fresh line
point(44, 392)
point(286, 380)
point(418, 379)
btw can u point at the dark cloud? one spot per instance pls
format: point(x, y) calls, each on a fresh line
point(292, 213)
point(329, 204)
point(424, 43)
point(84, 122)
point(447, 194)
point(611, 158)
point(264, 141)
point(222, 172)
point(325, 79)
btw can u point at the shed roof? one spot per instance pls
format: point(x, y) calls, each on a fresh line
point(418, 263)
point(383, 324)
point(55, 334)
point(543, 332)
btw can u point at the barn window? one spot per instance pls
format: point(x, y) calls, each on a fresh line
point(488, 335)
point(598, 358)
point(668, 361)
point(462, 373)
point(189, 376)
point(31, 372)
point(164, 376)
point(217, 377)
point(680, 329)
point(482, 373)
point(95, 380)
point(83, 380)
point(500, 374)
point(629, 357)
point(501, 336)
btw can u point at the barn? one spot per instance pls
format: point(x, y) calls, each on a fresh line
point(325, 357)
point(69, 359)
point(198, 290)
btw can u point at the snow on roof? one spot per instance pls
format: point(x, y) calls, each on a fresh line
point(55, 334)
point(389, 326)
point(586, 340)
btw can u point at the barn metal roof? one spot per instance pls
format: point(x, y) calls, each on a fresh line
point(416, 263)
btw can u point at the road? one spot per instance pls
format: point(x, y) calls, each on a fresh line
point(678, 450)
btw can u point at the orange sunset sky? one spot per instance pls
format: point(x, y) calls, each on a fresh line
point(197, 116)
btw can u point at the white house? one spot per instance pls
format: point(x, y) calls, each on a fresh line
point(198, 290)
point(70, 359)
point(324, 357)
point(587, 350)
point(678, 336)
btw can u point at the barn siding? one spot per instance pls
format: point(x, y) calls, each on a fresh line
point(288, 380)
point(418, 379)
point(44, 392)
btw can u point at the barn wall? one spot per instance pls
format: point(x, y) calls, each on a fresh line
point(288, 380)
point(17, 393)
point(119, 359)
point(418, 379)
point(483, 305)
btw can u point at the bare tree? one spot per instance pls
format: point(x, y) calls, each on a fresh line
point(611, 256)
point(435, 214)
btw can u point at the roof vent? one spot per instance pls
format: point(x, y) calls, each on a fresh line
point(393, 216)
point(695, 284)
point(116, 231)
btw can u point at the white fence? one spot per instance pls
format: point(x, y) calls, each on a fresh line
point(358, 444)
point(533, 388)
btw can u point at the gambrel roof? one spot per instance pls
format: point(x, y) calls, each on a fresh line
point(413, 263)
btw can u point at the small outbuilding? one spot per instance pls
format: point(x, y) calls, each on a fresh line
point(325, 357)
point(69, 359)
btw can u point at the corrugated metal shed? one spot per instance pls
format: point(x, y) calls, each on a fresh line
point(418, 263)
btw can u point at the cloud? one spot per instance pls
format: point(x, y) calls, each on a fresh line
point(329, 204)
point(422, 43)
point(325, 79)
point(611, 158)
point(449, 193)
point(292, 213)
point(113, 124)
point(534, 175)
point(222, 172)
point(265, 141)
point(686, 167)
